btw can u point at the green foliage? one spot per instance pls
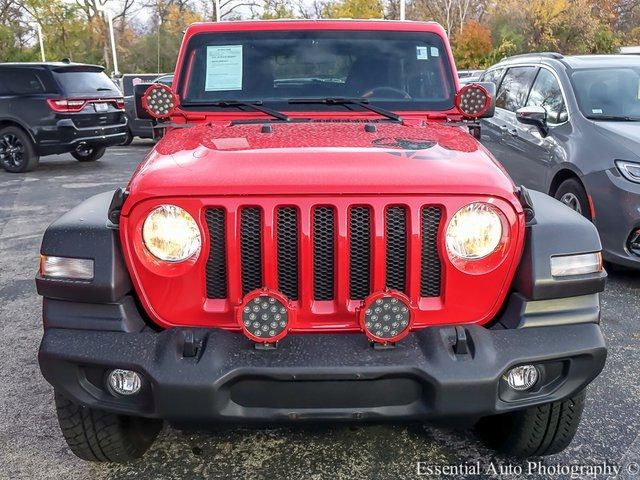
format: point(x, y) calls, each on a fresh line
point(363, 9)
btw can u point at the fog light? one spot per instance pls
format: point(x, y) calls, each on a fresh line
point(264, 318)
point(69, 268)
point(124, 382)
point(523, 377)
point(386, 317)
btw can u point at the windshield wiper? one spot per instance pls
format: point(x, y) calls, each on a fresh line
point(361, 102)
point(253, 105)
point(618, 118)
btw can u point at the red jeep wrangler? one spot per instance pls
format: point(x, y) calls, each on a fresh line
point(319, 236)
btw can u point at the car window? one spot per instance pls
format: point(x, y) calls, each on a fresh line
point(20, 81)
point(514, 88)
point(77, 82)
point(608, 92)
point(546, 93)
point(493, 76)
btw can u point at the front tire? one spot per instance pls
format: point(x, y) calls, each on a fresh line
point(573, 195)
point(542, 430)
point(85, 153)
point(99, 436)
point(17, 151)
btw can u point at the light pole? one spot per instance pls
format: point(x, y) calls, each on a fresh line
point(403, 8)
point(112, 38)
point(40, 40)
point(218, 19)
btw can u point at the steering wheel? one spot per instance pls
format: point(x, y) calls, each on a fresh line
point(396, 92)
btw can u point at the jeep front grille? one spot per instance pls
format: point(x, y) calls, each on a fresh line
point(332, 247)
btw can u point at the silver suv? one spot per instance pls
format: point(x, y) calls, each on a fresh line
point(570, 127)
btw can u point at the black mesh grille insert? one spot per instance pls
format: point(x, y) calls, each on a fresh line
point(360, 253)
point(288, 252)
point(323, 253)
point(251, 249)
point(217, 263)
point(396, 255)
point(430, 266)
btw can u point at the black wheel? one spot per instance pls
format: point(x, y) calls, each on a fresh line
point(17, 151)
point(128, 139)
point(572, 194)
point(87, 153)
point(536, 431)
point(100, 436)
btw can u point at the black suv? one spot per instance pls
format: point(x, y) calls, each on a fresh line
point(57, 107)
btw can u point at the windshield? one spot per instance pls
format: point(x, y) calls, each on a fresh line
point(393, 70)
point(609, 93)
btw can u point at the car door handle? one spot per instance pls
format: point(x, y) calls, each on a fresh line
point(509, 131)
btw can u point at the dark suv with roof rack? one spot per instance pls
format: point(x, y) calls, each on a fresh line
point(570, 127)
point(57, 107)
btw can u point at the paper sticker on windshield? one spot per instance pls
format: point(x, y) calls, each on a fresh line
point(435, 52)
point(422, 53)
point(224, 68)
point(596, 110)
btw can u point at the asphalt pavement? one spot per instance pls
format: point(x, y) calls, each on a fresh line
point(31, 446)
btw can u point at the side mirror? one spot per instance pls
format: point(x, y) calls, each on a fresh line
point(536, 116)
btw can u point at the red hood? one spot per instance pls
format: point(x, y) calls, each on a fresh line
point(323, 158)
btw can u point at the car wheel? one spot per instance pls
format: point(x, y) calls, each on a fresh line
point(128, 139)
point(17, 151)
point(572, 194)
point(86, 153)
point(100, 436)
point(541, 430)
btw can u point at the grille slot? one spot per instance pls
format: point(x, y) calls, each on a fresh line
point(323, 253)
point(251, 249)
point(430, 264)
point(216, 270)
point(396, 253)
point(359, 253)
point(288, 252)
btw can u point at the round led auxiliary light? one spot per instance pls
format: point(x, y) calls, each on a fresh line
point(473, 100)
point(264, 318)
point(159, 100)
point(386, 317)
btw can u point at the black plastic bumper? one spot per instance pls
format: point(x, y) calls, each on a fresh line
point(321, 377)
point(65, 136)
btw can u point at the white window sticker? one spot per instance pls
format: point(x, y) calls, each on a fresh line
point(435, 52)
point(422, 53)
point(596, 110)
point(224, 68)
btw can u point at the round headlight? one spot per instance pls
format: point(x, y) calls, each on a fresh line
point(171, 234)
point(474, 232)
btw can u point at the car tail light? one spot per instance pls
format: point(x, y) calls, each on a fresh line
point(159, 100)
point(66, 105)
point(473, 100)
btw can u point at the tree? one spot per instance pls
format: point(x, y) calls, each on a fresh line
point(472, 45)
point(362, 9)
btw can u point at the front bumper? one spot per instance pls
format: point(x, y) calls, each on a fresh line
point(321, 377)
point(617, 208)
